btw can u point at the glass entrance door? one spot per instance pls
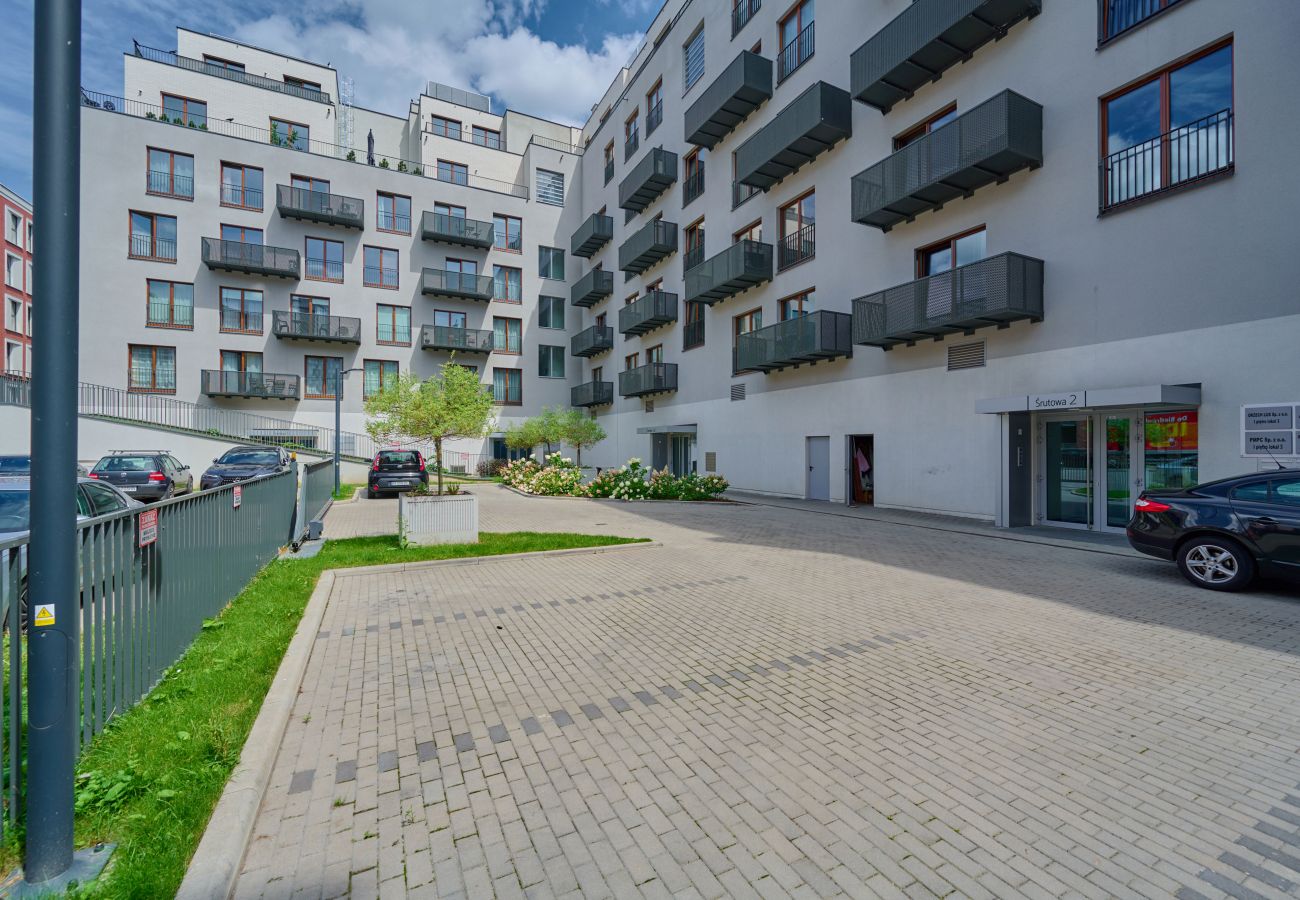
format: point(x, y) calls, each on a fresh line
point(1119, 451)
point(1091, 468)
point(1067, 472)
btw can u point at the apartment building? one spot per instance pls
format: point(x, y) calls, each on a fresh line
point(16, 213)
point(1047, 273)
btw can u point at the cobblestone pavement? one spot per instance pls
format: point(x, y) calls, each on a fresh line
point(777, 703)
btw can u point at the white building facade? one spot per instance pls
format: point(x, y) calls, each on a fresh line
point(1046, 275)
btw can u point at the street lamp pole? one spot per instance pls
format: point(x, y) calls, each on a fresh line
point(338, 422)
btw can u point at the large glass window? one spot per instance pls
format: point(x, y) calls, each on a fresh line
point(394, 213)
point(550, 362)
point(324, 259)
point(507, 335)
point(443, 318)
point(799, 305)
point(507, 233)
point(550, 187)
point(310, 184)
point(185, 110)
point(507, 284)
point(153, 236)
point(444, 127)
point(550, 263)
point(798, 230)
point(1119, 16)
point(379, 374)
point(380, 267)
point(797, 44)
point(693, 59)
point(486, 137)
point(394, 324)
point(151, 368)
point(323, 374)
point(508, 386)
point(550, 312)
point(454, 172)
point(290, 134)
point(241, 310)
point(171, 174)
point(951, 252)
point(241, 186)
point(171, 304)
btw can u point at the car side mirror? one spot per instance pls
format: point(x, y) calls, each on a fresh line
point(215, 460)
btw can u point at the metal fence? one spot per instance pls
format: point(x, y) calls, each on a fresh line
point(316, 493)
point(146, 587)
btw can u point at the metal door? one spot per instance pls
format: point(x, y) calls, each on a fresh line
point(818, 452)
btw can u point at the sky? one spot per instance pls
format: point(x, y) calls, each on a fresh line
point(552, 58)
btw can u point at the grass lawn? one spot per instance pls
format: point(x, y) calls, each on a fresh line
point(345, 491)
point(150, 781)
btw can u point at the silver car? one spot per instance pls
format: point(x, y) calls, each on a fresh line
point(94, 498)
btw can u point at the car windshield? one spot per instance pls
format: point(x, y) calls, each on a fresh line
point(125, 464)
point(15, 510)
point(399, 457)
point(250, 458)
point(15, 465)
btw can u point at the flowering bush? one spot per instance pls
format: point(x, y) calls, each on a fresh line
point(630, 481)
point(560, 477)
point(663, 486)
point(603, 484)
point(519, 472)
point(700, 487)
point(488, 468)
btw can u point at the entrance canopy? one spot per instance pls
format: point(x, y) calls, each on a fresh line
point(666, 429)
point(1139, 395)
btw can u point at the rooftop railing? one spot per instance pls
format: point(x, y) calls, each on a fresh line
point(172, 58)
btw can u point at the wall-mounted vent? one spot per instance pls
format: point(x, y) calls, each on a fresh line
point(710, 461)
point(965, 356)
point(738, 392)
point(649, 406)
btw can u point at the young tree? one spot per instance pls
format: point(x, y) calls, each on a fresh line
point(451, 404)
point(549, 428)
point(581, 430)
point(523, 435)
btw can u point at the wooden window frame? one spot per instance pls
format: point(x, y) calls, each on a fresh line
point(437, 169)
point(741, 233)
point(801, 296)
point(171, 305)
point(519, 351)
point(311, 183)
point(366, 395)
point(396, 218)
point(517, 402)
point(295, 81)
point(507, 218)
point(272, 120)
point(228, 64)
point(243, 186)
point(243, 359)
point(497, 299)
point(153, 238)
point(651, 352)
point(473, 137)
point(949, 242)
point(632, 361)
point(185, 106)
point(383, 252)
point(329, 389)
point(434, 118)
point(306, 243)
point(243, 310)
point(392, 308)
point(921, 129)
point(153, 369)
point(171, 174)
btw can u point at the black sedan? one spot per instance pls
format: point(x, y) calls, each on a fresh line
point(1223, 533)
point(242, 463)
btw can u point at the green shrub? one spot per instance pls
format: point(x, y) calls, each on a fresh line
point(603, 484)
point(663, 486)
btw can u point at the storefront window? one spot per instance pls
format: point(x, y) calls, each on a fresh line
point(1171, 449)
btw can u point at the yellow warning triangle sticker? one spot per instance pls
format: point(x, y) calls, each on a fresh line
point(44, 615)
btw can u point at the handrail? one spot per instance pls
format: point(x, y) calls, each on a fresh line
point(173, 58)
point(1183, 155)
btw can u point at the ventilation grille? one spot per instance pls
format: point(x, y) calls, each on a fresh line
point(737, 392)
point(965, 356)
point(710, 461)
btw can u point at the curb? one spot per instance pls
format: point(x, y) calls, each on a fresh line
point(724, 501)
point(495, 557)
point(220, 855)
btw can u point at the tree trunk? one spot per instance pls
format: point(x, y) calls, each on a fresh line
point(437, 454)
point(578, 447)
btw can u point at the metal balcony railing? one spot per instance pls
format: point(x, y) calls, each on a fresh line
point(693, 255)
point(455, 338)
point(741, 13)
point(647, 246)
point(654, 117)
point(146, 246)
point(592, 341)
point(595, 232)
point(1001, 136)
point(810, 125)
point(609, 171)
point(1183, 156)
point(319, 206)
point(592, 393)
point(645, 314)
point(925, 40)
point(462, 285)
point(311, 327)
point(169, 184)
point(693, 333)
point(591, 288)
point(1116, 17)
point(797, 246)
point(379, 276)
point(253, 385)
point(631, 144)
point(740, 193)
point(796, 53)
point(171, 58)
point(648, 179)
point(738, 268)
point(741, 88)
point(655, 378)
point(457, 230)
point(997, 291)
point(693, 186)
point(810, 338)
point(252, 259)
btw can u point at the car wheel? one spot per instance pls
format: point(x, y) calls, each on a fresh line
point(1218, 564)
point(371, 493)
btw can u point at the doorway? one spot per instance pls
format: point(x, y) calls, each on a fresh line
point(1090, 469)
point(818, 451)
point(861, 470)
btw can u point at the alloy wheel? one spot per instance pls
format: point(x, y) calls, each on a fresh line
point(1212, 564)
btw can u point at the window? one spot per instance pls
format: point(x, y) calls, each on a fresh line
point(654, 107)
point(550, 363)
point(550, 312)
point(694, 253)
point(151, 369)
point(445, 127)
point(631, 135)
point(466, 274)
point(446, 209)
point(693, 330)
point(290, 134)
point(798, 233)
point(507, 233)
point(796, 306)
point(14, 271)
point(185, 109)
point(380, 268)
point(693, 59)
point(1118, 16)
point(550, 263)
point(550, 187)
point(324, 260)
point(949, 253)
point(693, 168)
point(241, 186)
point(506, 335)
point(1171, 129)
point(303, 305)
point(508, 386)
point(447, 319)
point(654, 356)
point(1287, 491)
point(916, 132)
point(14, 227)
point(308, 183)
point(242, 235)
point(241, 361)
point(393, 324)
point(597, 372)
point(741, 12)
point(507, 284)
point(224, 64)
point(600, 321)
point(303, 83)
point(171, 304)
point(747, 322)
point(1279, 490)
point(609, 162)
point(394, 213)
point(454, 172)
point(796, 39)
point(631, 361)
point(241, 310)
point(752, 232)
point(322, 374)
point(13, 315)
point(153, 237)
point(170, 175)
point(379, 375)
point(486, 137)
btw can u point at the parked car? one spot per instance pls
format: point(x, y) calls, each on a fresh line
point(94, 498)
point(395, 471)
point(144, 474)
point(1223, 533)
point(242, 463)
point(21, 464)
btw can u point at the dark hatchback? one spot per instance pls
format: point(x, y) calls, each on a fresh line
point(242, 463)
point(144, 474)
point(396, 471)
point(1223, 533)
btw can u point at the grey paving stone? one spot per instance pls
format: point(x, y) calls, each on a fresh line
point(302, 781)
point(345, 771)
point(646, 698)
point(388, 760)
point(531, 725)
point(498, 734)
point(670, 692)
point(463, 742)
point(592, 711)
point(561, 717)
point(426, 750)
point(618, 704)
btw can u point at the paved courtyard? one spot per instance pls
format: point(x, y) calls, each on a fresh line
point(779, 703)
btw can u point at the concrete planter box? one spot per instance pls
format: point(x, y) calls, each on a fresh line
point(434, 519)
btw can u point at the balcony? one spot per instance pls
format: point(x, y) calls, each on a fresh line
point(738, 268)
point(251, 385)
point(741, 88)
point(995, 291)
point(692, 333)
point(454, 338)
point(592, 341)
point(693, 186)
point(647, 313)
point(459, 285)
point(796, 53)
point(251, 259)
point(609, 171)
point(811, 338)
point(648, 179)
point(591, 288)
point(923, 41)
point(171, 58)
point(319, 206)
point(631, 143)
point(796, 247)
point(594, 233)
point(592, 393)
point(456, 230)
point(288, 325)
point(813, 123)
point(647, 246)
point(644, 381)
point(1187, 155)
point(995, 139)
point(741, 13)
